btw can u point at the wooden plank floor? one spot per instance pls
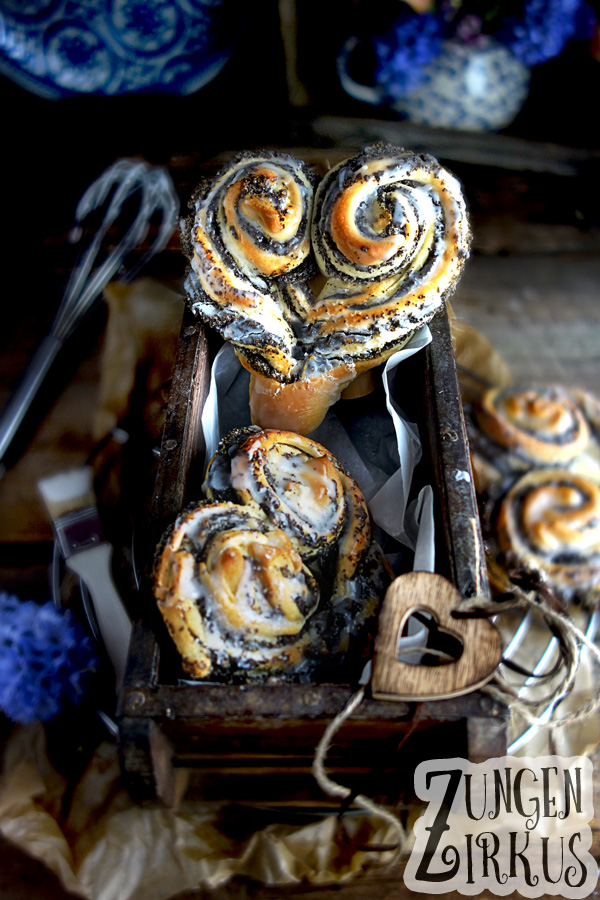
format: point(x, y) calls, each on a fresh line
point(541, 312)
point(531, 287)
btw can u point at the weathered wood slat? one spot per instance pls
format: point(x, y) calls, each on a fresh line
point(499, 151)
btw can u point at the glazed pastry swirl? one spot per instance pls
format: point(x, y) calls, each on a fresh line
point(249, 234)
point(391, 232)
point(296, 482)
point(306, 492)
point(235, 595)
point(542, 425)
point(275, 575)
point(550, 521)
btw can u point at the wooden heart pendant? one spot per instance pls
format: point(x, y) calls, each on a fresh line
point(479, 640)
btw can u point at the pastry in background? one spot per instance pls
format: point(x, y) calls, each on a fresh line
point(537, 471)
point(549, 521)
point(590, 406)
point(520, 427)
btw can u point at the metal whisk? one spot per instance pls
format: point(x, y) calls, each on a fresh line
point(122, 181)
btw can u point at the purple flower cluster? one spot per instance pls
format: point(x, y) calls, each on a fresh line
point(535, 31)
point(404, 51)
point(46, 659)
point(545, 29)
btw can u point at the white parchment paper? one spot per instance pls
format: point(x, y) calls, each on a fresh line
point(380, 449)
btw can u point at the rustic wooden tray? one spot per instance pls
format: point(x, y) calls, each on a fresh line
point(227, 732)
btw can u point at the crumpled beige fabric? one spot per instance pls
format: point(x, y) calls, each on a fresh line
point(108, 848)
point(140, 344)
point(481, 363)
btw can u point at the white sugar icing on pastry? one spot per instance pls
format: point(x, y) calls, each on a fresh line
point(234, 593)
point(248, 234)
point(275, 575)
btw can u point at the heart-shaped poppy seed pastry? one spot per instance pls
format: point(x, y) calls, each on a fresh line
point(389, 231)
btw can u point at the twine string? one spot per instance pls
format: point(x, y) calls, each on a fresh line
point(570, 640)
point(331, 787)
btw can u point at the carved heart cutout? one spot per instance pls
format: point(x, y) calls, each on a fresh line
point(394, 679)
point(425, 642)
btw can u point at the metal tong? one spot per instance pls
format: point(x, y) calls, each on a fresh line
point(120, 182)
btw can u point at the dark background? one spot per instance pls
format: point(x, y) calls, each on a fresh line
point(52, 149)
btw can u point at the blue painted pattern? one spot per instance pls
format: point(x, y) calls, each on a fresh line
point(470, 88)
point(59, 48)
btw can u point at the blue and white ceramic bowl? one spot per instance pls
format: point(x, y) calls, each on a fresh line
point(58, 48)
point(467, 87)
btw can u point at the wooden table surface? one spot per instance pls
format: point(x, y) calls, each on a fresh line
point(531, 287)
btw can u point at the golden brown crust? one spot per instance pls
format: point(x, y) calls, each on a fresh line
point(390, 232)
point(248, 234)
point(300, 406)
point(297, 484)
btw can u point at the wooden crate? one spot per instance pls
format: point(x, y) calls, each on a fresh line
point(230, 735)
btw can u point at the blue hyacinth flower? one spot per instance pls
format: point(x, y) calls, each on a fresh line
point(404, 51)
point(47, 659)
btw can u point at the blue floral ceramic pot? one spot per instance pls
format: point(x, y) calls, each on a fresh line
point(58, 48)
point(469, 87)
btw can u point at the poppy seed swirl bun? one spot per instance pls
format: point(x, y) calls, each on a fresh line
point(234, 594)
point(274, 575)
point(301, 488)
point(390, 231)
point(550, 521)
point(542, 425)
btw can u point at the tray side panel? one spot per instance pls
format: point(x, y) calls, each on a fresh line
point(449, 447)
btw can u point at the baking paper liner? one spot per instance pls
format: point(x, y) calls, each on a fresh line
point(380, 450)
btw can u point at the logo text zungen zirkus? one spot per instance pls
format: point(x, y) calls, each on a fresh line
point(504, 825)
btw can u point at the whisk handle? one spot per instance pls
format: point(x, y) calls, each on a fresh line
point(21, 400)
